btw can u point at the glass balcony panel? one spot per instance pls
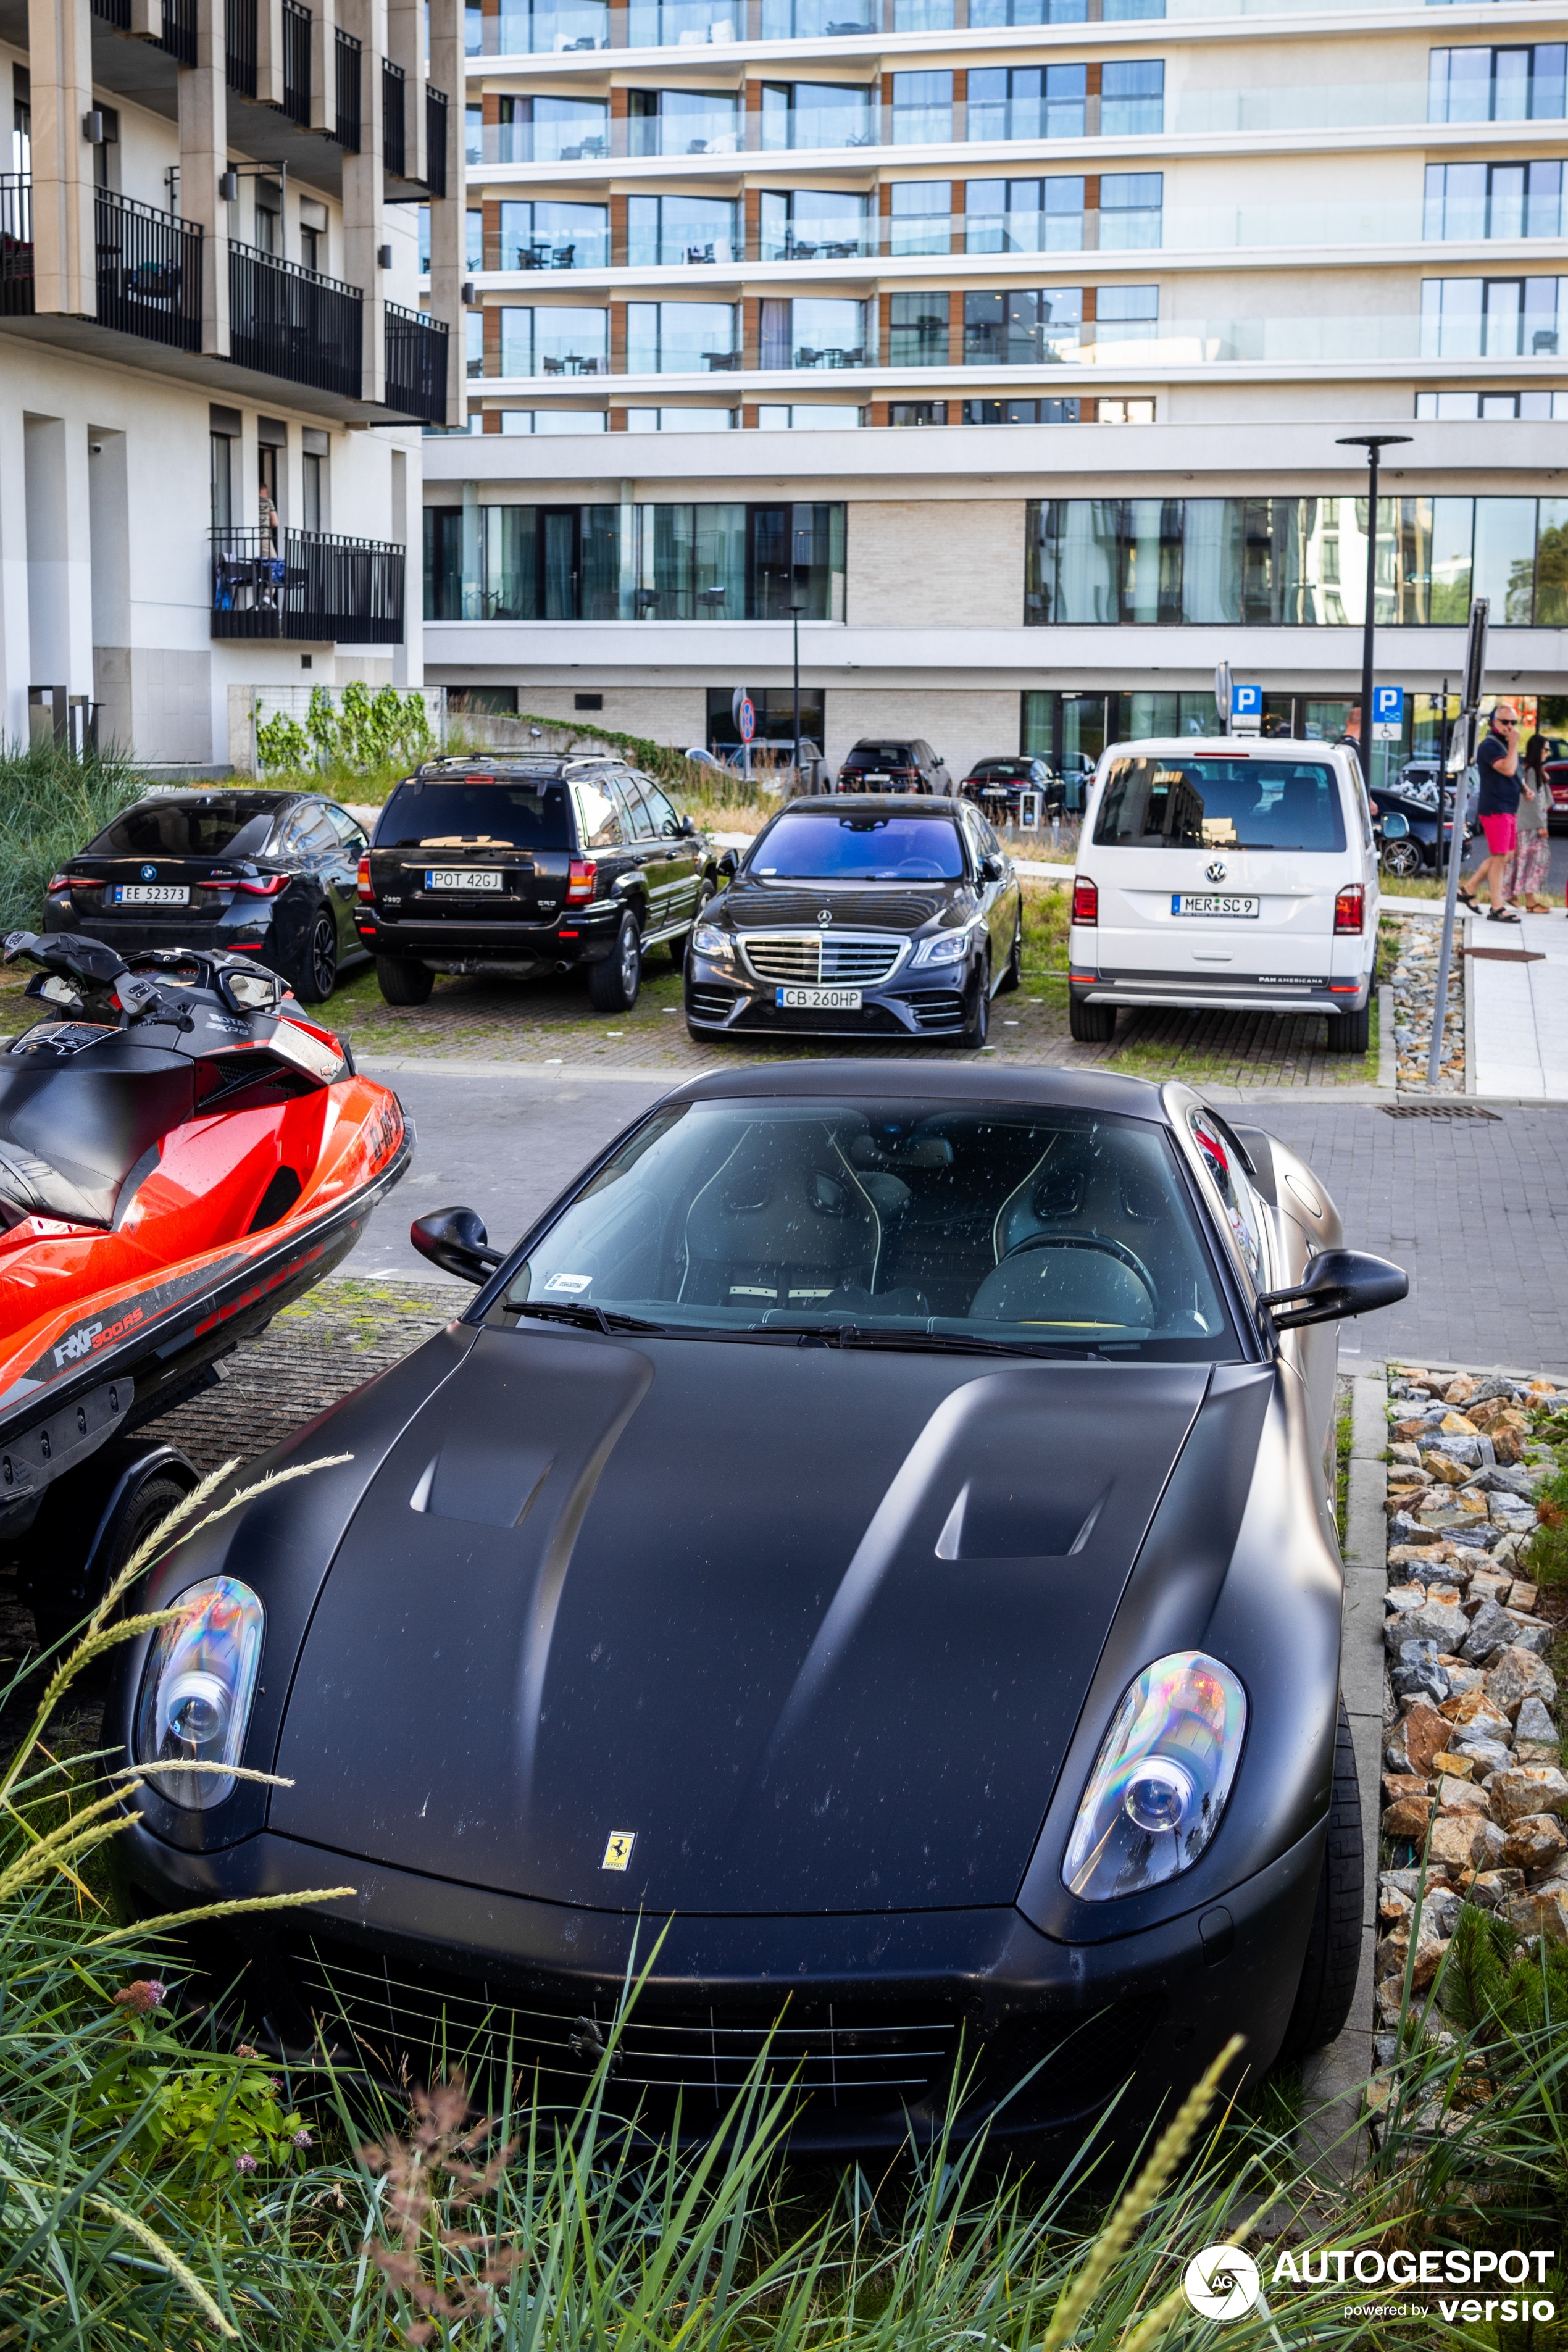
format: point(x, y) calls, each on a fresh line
point(827, 334)
point(683, 24)
point(919, 221)
point(549, 30)
point(815, 225)
point(1297, 106)
point(815, 20)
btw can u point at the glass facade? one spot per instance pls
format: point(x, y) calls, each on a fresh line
point(679, 561)
point(681, 338)
point(1484, 200)
point(550, 236)
point(1293, 562)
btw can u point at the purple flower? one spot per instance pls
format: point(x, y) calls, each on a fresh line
point(245, 2164)
point(144, 1994)
point(302, 2139)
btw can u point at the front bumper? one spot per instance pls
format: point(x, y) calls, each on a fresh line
point(725, 1000)
point(881, 2013)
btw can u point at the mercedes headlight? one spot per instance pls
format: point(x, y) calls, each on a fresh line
point(943, 947)
point(196, 1689)
point(1160, 1781)
point(710, 940)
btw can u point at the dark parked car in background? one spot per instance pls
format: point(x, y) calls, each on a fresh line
point(1000, 784)
point(862, 918)
point(1414, 798)
point(268, 874)
point(527, 866)
point(878, 763)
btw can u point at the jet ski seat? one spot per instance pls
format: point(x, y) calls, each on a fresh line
point(71, 1134)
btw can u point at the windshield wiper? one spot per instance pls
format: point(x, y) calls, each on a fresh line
point(854, 1335)
point(586, 1318)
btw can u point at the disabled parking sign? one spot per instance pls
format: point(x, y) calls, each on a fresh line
point(1387, 713)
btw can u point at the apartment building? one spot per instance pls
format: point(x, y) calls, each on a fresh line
point(1010, 340)
point(216, 364)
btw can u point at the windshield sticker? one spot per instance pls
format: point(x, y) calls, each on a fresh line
point(573, 1282)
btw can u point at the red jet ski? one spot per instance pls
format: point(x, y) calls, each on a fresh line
point(181, 1153)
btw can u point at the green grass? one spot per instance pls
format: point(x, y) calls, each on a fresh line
point(49, 807)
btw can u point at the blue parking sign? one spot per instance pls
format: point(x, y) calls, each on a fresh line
point(1387, 713)
point(1245, 701)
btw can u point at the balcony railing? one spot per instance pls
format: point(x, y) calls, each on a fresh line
point(178, 38)
point(309, 586)
point(297, 63)
point(417, 364)
point(288, 321)
point(149, 265)
point(348, 61)
point(239, 41)
point(393, 136)
point(436, 140)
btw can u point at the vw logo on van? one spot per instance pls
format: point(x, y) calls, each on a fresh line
point(1215, 869)
point(149, 874)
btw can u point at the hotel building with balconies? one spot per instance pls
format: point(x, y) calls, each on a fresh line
point(216, 364)
point(1011, 340)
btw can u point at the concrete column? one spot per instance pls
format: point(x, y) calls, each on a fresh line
point(448, 226)
point(65, 274)
point(269, 52)
point(364, 221)
point(204, 158)
point(324, 64)
point(408, 526)
point(16, 657)
point(60, 567)
point(405, 48)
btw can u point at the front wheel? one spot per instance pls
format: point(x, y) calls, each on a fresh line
point(404, 983)
point(1350, 1032)
point(1402, 858)
point(59, 1585)
point(613, 985)
point(977, 1027)
point(315, 975)
point(1332, 1961)
point(1015, 970)
point(1091, 1024)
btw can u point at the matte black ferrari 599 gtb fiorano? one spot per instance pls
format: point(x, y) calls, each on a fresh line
point(875, 1531)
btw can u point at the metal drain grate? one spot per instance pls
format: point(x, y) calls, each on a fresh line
point(1437, 1111)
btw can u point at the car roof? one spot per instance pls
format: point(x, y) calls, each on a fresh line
point(906, 803)
point(963, 1085)
point(252, 796)
point(1246, 747)
point(485, 768)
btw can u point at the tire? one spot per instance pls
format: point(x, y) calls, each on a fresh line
point(1403, 858)
point(1332, 1961)
point(1091, 1024)
point(404, 983)
point(315, 975)
point(677, 946)
point(977, 1027)
point(1350, 1032)
point(613, 985)
point(57, 1604)
point(1014, 973)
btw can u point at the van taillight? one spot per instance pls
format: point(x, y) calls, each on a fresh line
point(1348, 908)
point(581, 881)
point(1085, 901)
point(363, 886)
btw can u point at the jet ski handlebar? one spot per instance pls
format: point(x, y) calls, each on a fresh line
point(75, 968)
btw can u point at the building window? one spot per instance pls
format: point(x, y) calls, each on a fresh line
point(474, 134)
point(920, 221)
point(814, 332)
point(917, 412)
point(1023, 328)
point(774, 707)
point(922, 109)
point(681, 338)
point(1482, 200)
point(815, 225)
point(1131, 211)
point(808, 416)
point(1124, 411)
point(547, 131)
point(1025, 215)
point(681, 420)
point(553, 236)
point(1131, 97)
point(664, 232)
point(686, 24)
point(676, 562)
point(818, 114)
point(1293, 562)
point(313, 489)
point(222, 481)
point(551, 339)
point(917, 330)
point(683, 123)
point(474, 341)
point(1126, 314)
point(1490, 407)
point(1489, 318)
point(1024, 411)
point(553, 420)
point(1522, 84)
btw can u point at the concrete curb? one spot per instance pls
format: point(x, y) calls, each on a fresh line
point(1387, 1061)
point(1332, 2078)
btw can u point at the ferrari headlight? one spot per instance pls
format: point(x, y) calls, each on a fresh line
point(943, 947)
point(196, 1689)
point(710, 940)
point(1160, 1781)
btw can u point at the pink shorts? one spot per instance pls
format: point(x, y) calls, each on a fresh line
point(1502, 834)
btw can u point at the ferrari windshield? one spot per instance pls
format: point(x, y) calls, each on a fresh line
point(1035, 1227)
point(862, 846)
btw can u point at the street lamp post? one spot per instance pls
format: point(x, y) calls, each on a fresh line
point(1371, 443)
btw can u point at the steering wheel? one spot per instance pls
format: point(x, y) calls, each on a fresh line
point(1090, 1242)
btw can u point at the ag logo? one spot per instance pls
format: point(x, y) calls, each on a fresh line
point(618, 1853)
point(1215, 869)
point(1221, 2283)
point(149, 874)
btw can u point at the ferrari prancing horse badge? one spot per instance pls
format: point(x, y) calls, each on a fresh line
point(618, 1849)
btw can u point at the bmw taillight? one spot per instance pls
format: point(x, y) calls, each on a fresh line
point(1348, 908)
point(1085, 901)
point(58, 882)
point(581, 881)
point(363, 882)
point(264, 885)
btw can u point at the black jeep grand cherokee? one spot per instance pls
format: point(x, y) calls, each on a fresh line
point(526, 866)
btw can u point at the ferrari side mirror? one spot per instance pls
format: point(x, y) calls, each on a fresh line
point(1336, 1283)
point(455, 1241)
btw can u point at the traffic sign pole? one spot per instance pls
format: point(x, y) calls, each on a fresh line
point(1475, 680)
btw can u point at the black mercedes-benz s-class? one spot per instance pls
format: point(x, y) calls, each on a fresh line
point(867, 1555)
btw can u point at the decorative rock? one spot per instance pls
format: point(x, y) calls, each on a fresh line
point(1474, 1712)
point(1396, 1786)
point(1517, 1483)
point(1406, 1555)
point(1440, 1911)
point(1508, 1444)
point(1444, 1468)
point(1495, 1889)
point(1524, 1789)
point(1490, 1584)
point(1466, 1841)
point(1530, 1632)
point(1393, 1908)
point(1461, 1388)
point(1456, 1767)
point(1506, 1552)
point(1537, 1751)
point(1402, 1598)
point(1426, 1735)
point(1486, 1756)
point(1540, 1914)
point(1401, 1450)
point(1462, 1678)
point(1404, 1530)
point(1534, 1722)
point(1458, 1424)
point(1444, 1627)
point(1523, 1598)
point(1408, 1820)
point(1491, 1629)
point(1535, 1841)
point(1457, 1795)
point(1444, 1563)
point(1515, 1676)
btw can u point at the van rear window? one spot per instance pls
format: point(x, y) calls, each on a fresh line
point(1218, 803)
point(434, 814)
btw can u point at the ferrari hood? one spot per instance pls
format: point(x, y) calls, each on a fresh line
point(722, 1627)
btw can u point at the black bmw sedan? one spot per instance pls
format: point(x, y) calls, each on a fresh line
point(861, 917)
point(266, 874)
point(976, 1706)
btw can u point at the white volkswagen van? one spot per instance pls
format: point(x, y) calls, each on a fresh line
point(1234, 871)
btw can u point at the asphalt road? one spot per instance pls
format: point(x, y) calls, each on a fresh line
point(1475, 1209)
